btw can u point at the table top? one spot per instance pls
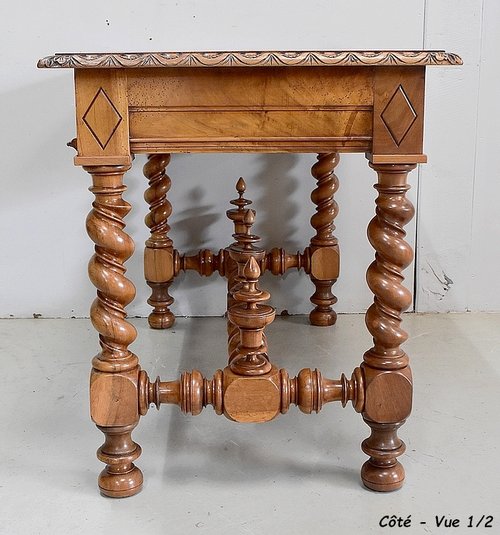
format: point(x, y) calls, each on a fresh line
point(346, 58)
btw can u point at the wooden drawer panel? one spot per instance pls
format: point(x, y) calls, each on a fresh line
point(300, 86)
point(242, 124)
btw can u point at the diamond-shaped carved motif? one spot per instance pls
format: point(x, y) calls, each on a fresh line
point(102, 118)
point(399, 115)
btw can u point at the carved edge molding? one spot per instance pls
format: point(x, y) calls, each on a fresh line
point(249, 59)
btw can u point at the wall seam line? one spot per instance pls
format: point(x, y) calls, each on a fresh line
point(476, 144)
point(416, 258)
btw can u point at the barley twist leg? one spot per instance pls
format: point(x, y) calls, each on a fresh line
point(386, 366)
point(324, 245)
point(115, 370)
point(158, 255)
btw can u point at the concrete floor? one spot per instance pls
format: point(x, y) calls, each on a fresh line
point(296, 475)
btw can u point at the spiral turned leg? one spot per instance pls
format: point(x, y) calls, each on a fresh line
point(115, 370)
point(158, 255)
point(324, 247)
point(386, 366)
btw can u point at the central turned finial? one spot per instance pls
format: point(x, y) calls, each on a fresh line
point(245, 239)
point(251, 317)
point(237, 214)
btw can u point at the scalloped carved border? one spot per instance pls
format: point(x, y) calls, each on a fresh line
point(248, 59)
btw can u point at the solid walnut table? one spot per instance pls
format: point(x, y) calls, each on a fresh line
point(319, 102)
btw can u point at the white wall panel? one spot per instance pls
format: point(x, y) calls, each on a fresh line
point(485, 246)
point(447, 180)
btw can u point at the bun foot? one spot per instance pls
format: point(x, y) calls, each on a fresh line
point(383, 477)
point(120, 478)
point(161, 320)
point(322, 318)
point(120, 485)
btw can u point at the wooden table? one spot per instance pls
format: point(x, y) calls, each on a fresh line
point(319, 102)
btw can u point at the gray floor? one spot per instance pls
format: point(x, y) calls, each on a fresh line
point(204, 474)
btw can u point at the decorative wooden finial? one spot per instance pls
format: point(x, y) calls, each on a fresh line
point(238, 254)
point(246, 239)
point(251, 272)
point(240, 188)
point(248, 220)
point(237, 214)
point(251, 317)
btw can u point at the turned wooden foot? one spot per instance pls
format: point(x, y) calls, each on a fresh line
point(121, 478)
point(161, 317)
point(158, 254)
point(323, 314)
point(324, 249)
point(383, 472)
